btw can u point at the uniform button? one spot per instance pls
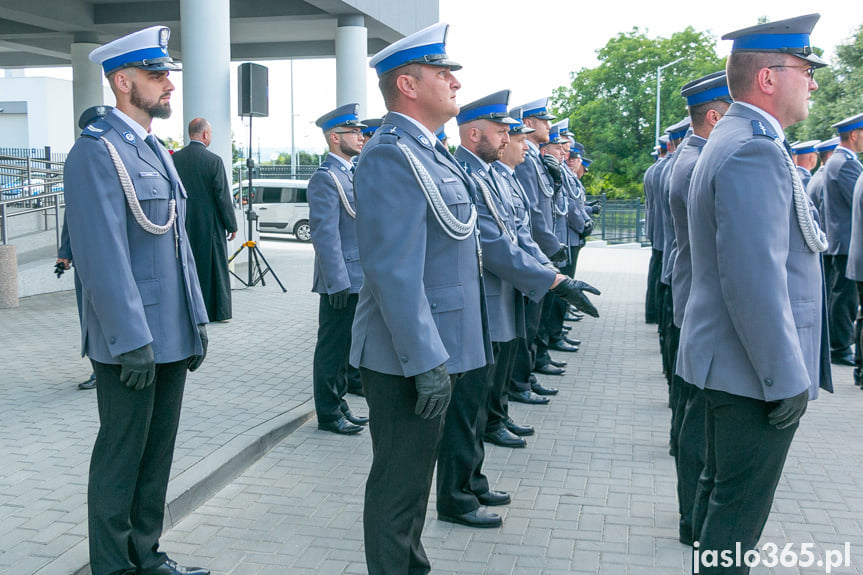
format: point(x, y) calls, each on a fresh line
point(434, 306)
point(532, 292)
point(403, 359)
point(154, 192)
point(113, 340)
point(458, 196)
point(768, 382)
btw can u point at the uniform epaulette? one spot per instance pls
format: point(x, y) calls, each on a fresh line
point(96, 129)
point(389, 134)
point(759, 128)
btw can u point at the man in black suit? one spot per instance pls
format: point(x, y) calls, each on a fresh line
point(210, 216)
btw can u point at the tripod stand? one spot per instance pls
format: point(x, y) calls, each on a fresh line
point(256, 272)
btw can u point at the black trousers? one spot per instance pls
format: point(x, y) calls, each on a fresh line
point(651, 312)
point(130, 466)
point(858, 333)
point(543, 334)
point(330, 368)
point(842, 302)
point(404, 448)
point(744, 460)
point(691, 450)
point(525, 348)
point(459, 465)
point(505, 354)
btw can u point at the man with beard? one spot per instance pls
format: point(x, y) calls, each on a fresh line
point(338, 275)
point(753, 336)
point(462, 488)
point(142, 316)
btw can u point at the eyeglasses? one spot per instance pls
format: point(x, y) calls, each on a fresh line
point(810, 70)
point(354, 132)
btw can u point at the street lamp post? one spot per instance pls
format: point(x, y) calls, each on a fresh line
point(659, 70)
point(293, 145)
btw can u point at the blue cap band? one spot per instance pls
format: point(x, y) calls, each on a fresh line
point(405, 56)
point(849, 127)
point(716, 93)
point(774, 42)
point(678, 134)
point(534, 112)
point(339, 121)
point(663, 145)
point(151, 53)
point(369, 130)
point(481, 111)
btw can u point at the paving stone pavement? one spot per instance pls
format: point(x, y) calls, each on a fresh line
point(594, 491)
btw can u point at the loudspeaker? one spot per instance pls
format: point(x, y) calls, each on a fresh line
point(253, 92)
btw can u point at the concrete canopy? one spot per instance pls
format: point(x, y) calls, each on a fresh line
point(39, 33)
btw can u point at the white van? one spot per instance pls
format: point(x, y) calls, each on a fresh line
point(281, 205)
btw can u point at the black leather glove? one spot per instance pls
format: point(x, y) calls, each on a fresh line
point(339, 300)
point(59, 268)
point(573, 292)
point(434, 389)
point(560, 257)
point(138, 368)
point(596, 209)
point(588, 228)
point(196, 360)
point(788, 411)
point(553, 167)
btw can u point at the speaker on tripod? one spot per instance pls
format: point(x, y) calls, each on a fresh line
point(253, 100)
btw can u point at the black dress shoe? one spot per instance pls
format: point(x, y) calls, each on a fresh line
point(504, 438)
point(341, 425)
point(540, 389)
point(517, 429)
point(571, 340)
point(562, 346)
point(570, 317)
point(549, 369)
point(846, 359)
point(475, 518)
point(527, 396)
point(89, 384)
point(556, 363)
point(565, 328)
point(355, 419)
point(170, 567)
point(491, 498)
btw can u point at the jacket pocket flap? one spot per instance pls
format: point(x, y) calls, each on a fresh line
point(447, 298)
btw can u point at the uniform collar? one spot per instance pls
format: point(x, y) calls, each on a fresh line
point(774, 123)
point(136, 127)
point(426, 132)
point(482, 163)
point(344, 162)
point(503, 166)
point(848, 151)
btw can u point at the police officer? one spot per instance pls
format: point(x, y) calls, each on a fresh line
point(752, 335)
point(854, 271)
point(371, 126)
point(815, 188)
point(707, 99)
point(840, 175)
point(539, 188)
point(420, 322)
point(338, 276)
point(142, 316)
point(805, 158)
point(651, 229)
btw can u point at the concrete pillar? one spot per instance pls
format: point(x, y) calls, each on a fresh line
point(351, 61)
point(206, 51)
point(8, 277)
point(86, 79)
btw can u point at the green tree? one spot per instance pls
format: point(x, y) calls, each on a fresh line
point(612, 108)
point(839, 93)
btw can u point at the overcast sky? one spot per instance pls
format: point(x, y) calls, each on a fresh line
point(527, 46)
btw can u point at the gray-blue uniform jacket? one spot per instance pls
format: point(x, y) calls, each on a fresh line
point(840, 175)
point(754, 325)
point(421, 302)
point(681, 269)
point(576, 215)
point(854, 269)
point(560, 209)
point(539, 188)
point(805, 176)
point(649, 202)
point(507, 267)
point(520, 206)
point(658, 228)
point(663, 192)
point(815, 189)
point(334, 232)
point(137, 287)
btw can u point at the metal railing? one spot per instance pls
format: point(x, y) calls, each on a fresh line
point(30, 185)
point(43, 203)
point(303, 172)
point(620, 221)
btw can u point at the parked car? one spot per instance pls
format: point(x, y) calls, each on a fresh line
point(281, 205)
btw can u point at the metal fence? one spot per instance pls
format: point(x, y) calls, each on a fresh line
point(620, 221)
point(303, 172)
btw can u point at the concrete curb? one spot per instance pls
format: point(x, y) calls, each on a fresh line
point(199, 482)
